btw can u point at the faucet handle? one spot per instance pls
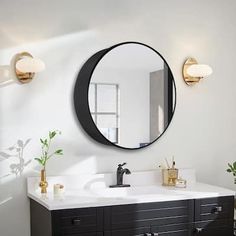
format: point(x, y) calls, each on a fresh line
point(120, 165)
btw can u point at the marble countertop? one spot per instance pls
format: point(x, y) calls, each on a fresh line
point(103, 196)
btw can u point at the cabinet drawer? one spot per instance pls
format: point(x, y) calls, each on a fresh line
point(128, 232)
point(214, 208)
point(77, 221)
point(172, 230)
point(148, 214)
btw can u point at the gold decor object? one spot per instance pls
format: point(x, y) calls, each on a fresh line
point(23, 77)
point(43, 183)
point(169, 176)
point(193, 72)
point(47, 155)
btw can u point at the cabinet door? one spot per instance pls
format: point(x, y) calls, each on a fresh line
point(213, 228)
point(214, 208)
point(128, 232)
point(172, 230)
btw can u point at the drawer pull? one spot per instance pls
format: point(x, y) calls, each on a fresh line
point(155, 234)
point(199, 230)
point(147, 234)
point(76, 221)
point(217, 209)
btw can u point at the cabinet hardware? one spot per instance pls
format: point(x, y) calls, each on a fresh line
point(147, 234)
point(155, 234)
point(199, 230)
point(217, 209)
point(76, 221)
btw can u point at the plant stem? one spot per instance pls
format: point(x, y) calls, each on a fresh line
point(46, 157)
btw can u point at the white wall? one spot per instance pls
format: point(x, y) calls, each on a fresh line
point(202, 133)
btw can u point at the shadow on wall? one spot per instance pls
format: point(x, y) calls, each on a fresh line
point(12, 183)
point(16, 154)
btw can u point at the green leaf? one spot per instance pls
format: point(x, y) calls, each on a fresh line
point(228, 170)
point(52, 134)
point(41, 141)
point(230, 166)
point(44, 162)
point(39, 160)
point(59, 152)
point(234, 165)
point(46, 142)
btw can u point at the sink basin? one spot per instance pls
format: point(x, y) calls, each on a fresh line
point(129, 192)
point(159, 192)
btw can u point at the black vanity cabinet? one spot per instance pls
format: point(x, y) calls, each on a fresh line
point(201, 217)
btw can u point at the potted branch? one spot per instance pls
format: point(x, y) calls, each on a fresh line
point(232, 169)
point(47, 155)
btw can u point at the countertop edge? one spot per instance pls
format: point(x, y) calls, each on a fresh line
point(116, 202)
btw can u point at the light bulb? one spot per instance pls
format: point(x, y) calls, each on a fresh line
point(199, 70)
point(30, 65)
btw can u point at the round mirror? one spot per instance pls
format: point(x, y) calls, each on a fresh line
point(125, 95)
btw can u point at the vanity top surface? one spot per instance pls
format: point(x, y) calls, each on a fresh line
point(95, 197)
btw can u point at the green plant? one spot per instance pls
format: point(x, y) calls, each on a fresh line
point(232, 169)
point(46, 143)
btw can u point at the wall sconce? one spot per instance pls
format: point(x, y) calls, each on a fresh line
point(193, 72)
point(22, 69)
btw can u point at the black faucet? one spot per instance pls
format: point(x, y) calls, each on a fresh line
point(119, 176)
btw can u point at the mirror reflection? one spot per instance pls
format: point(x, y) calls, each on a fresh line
point(132, 95)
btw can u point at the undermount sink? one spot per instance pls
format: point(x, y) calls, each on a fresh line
point(129, 192)
point(146, 191)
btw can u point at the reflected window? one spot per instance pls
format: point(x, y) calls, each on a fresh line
point(104, 107)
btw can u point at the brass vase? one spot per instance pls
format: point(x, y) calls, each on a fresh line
point(43, 183)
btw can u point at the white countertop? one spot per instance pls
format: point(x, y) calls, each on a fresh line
point(94, 197)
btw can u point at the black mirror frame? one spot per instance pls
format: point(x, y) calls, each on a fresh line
point(81, 102)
